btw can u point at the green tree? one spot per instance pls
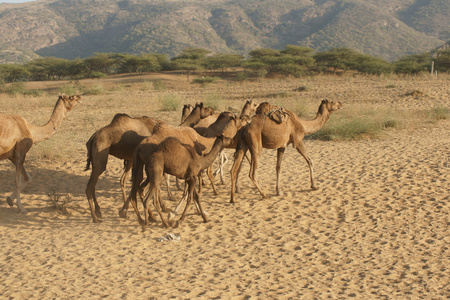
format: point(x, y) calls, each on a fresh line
point(442, 61)
point(12, 73)
point(190, 60)
point(100, 62)
point(337, 58)
point(373, 65)
point(223, 61)
point(413, 64)
point(48, 68)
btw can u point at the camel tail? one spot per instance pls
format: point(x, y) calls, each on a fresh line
point(136, 173)
point(89, 152)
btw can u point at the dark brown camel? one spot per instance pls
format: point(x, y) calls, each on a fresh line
point(119, 139)
point(263, 132)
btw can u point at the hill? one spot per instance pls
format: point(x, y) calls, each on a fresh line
point(80, 28)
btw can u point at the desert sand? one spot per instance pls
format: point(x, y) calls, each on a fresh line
point(377, 228)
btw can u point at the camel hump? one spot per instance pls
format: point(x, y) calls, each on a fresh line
point(276, 113)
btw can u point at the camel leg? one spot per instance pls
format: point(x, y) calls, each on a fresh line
point(199, 206)
point(252, 173)
point(169, 192)
point(123, 179)
point(157, 203)
point(211, 179)
point(222, 162)
point(301, 149)
point(280, 153)
point(98, 167)
point(191, 187)
point(238, 157)
point(22, 178)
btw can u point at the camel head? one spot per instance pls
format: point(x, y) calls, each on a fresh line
point(205, 111)
point(249, 107)
point(330, 106)
point(234, 125)
point(69, 101)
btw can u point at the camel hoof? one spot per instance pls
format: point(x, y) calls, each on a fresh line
point(10, 201)
point(314, 188)
point(123, 214)
point(176, 224)
point(172, 215)
point(96, 221)
point(98, 214)
point(166, 210)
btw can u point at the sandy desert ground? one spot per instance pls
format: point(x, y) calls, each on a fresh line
point(377, 228)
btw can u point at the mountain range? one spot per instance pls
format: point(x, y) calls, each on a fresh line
point(79, 28)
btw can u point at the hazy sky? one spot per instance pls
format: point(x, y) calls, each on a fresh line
point(15, 1)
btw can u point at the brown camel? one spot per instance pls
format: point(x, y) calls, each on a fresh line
point(199, 112)
point(17, 136)
point(177, 159)
point(161, 131)
point(119, 139)
point(186, 111)
point(263, 132)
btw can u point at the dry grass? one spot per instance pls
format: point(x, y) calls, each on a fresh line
point(371, 104)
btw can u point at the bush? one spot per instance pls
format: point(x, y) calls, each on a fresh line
point(205, 80)
point(170, 102)
point(241, 76)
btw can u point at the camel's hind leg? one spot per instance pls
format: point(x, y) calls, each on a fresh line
point(280, 153)
point(252, 173)
point(123, 178)
point(22, 178)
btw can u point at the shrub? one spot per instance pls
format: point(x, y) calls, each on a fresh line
point(439, 113)
point(60, 202)
point(170, 102)
point(205, 80)
point(159, 85)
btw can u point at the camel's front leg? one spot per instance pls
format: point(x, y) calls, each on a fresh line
point(301, 149)
point(280, 153)
point(238, 157)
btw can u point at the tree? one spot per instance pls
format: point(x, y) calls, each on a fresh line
point(337, 58)
point(373, 65)
point(100, 62)
point(223, 61)
point(190, 60)
point(442, 61)
point(48, 68)
point(413, 64)
point(12, 73)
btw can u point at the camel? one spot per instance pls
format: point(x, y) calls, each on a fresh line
point(17, 136)
point(177, 159)
point(161, 131)
point(199, 112)
point(185, 112)
point(263, 132)
point(119, 139)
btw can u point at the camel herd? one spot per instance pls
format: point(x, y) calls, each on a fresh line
point(154, 150)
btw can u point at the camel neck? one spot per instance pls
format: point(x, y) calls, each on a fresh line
point(209, 158)
point(311, 126)
point(41, 133)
